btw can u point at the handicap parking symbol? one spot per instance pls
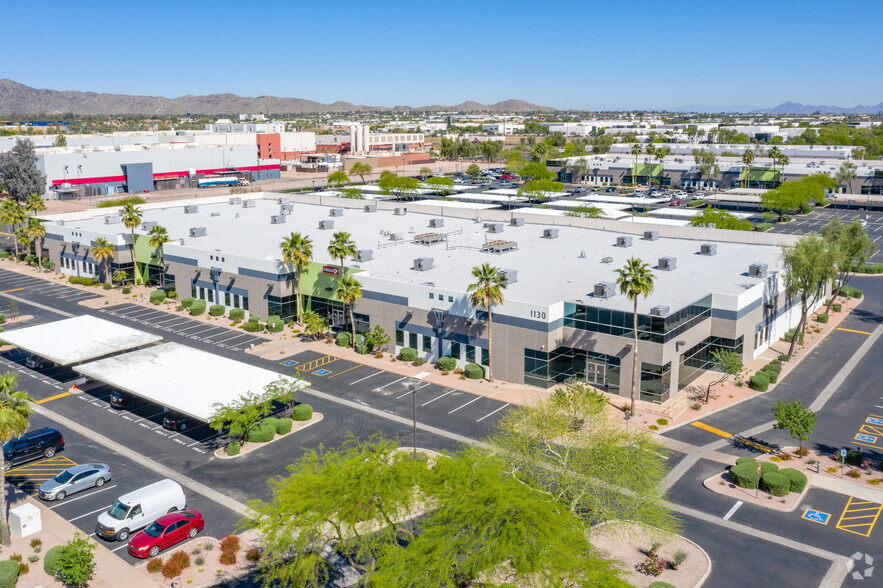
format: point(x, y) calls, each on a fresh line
point(874, 421)
point(322, 372)
point(866, 438)
point(290, 362)
point(816, 516)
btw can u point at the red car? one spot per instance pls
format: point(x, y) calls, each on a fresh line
point(675, 203)
point(166, 531)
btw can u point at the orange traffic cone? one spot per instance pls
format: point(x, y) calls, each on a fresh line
point(73, 389)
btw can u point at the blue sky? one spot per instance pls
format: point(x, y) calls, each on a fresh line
point(588, 55)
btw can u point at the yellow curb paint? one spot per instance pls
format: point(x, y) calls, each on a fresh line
point(13, 290)
point(710, 429)
point(344, 371)
point(57, 396)
point(851, 331)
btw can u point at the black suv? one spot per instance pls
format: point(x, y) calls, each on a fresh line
point(32, 445)
point(123, 400)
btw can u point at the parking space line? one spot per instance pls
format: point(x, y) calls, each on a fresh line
point(200, 333)
point(13, 290)
point(477, 398)
point(236, 336)
point(81, 496)
point(174, 318)
point(492, 413)
point(344, 371)
point(124, 545)
point(391, 383)
point(188, 328)
point(858, 506)
point(224, 331)
point(148, 417)
point(438, 397)
point(189, 430)
point(204, 440)
point(366, 377)
point(82, 516)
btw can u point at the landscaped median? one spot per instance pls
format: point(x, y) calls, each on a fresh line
point(269, 430)
point(779, 488)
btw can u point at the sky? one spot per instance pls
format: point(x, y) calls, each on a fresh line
point(567, 54)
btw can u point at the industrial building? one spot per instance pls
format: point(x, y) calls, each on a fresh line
point(562, 316)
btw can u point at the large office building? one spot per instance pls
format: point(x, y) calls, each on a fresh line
point(562, 316)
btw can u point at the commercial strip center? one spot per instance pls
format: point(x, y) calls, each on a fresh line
point(562, 316)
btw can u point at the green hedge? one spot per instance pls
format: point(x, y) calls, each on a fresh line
point(763, 227)
point(344, 339)
point(796, 478)
point(744, 475)
point(82, 280)
point(821, 318)
point(773, 367)
point(695, 203)
point(275, 324)
point(784, 357)
point(121, 201)
point(5, 254)
point(127, 290)
point(283, 426)
point(767, 467)
point(197, 308)
point(837, 307)
point(252, 325)
point(775, 483)
point(216, 310)
point(447, 363)
point(237, 314)
point(234, 448)
point(263, 432)
point(158, 296)
point(772, 376)
point(302, 412)
point(850, 292)
point(759, 382)
point(2, 318)
point(8, 573)
point(743, 460)
point(473, 371)
point(876, 268)
point(408, 354)
point(51, 561)
point(658, 584)
point(186, 302)
point(853, 457)
point(790, 335)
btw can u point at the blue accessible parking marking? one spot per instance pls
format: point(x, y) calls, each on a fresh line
point(322, 372)
point(816, 516)
point(874, 421)
point(866, 438)
point(290, 362)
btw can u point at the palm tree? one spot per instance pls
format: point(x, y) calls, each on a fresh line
point(774, 154)
point(349, 290)
point(298, 251)
point(485, 293)
point(651, 151)
point(13, 214)
point(132, 216)
point(541, 152)
point(846, 174)
point(635, 279)
point(661, 153)
point(102, 252)
point(37, 232)
point(747, 158)
point(22, 238)
point(15, 412)
point(341, 247)
point(34, 204)
point(636, 151)
point(157, 236)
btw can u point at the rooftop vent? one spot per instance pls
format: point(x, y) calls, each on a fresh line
point(277, 219)
point(623, 241)
point(197, 231)
point(286, 208)
point(335, 212)
point(371, 207)
point(147, 225)
point(235, 200)
point(436, 223)
point(396, 236)
point(651, 235)
point(216, 214)
point(421, 264)
point(517, 221)
point(364, 255)
point(400, 211)
point(606, 260)
point(660, 310)
point(191, 209)
point(430, 238)
point(248, 204)
point(494, 227)
point(112, 219)
point(283, 200)
point(757, 270)
point(326, 224)
point(499, 246)
point(550, 233)
point(511, 275)
point(60, 223)
point(668, 263)
point(605, 289)
point(708, 249)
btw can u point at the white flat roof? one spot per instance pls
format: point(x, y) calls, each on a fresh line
point(487, 197)
point(452, 204)
point(688, 213)
point(514, 192)
point(637, 201)
point(78, 339)
point(182, 378)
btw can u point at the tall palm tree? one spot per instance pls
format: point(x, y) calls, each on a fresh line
point(157, 236)
point(37, 232)
point(349, 290)
point(661, 153)
point(22, 238)
point(485, 292)
point(297, 250)
point(635, 279)
point(132, 216)
point(102, 252)
point(650, 150)
point(15, 412)
point(34, 204)
point(774, 154)
point(747, 158)
point(636, 151)
point(341, 247)
point(13, 214)
point(846, 174)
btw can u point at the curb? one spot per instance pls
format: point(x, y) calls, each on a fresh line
point(800, 498)
point(276, 438)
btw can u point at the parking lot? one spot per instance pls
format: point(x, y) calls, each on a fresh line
point(814, 221)
point(223, 337)
point(15, 283)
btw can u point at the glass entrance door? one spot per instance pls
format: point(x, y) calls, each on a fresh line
point(337, 317)
point(596, 372)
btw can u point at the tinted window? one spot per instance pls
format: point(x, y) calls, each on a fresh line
point(154, 529)
point(118, 510)
point(188, 514)
point(64, 477)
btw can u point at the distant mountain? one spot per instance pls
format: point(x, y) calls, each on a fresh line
point(798, 108)
point(19, 99)
point(701, 108)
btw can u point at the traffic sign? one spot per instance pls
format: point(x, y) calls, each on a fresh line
point(816, 516)
point(842, 453)
point(758, 468)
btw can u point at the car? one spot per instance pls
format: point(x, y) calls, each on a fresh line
point(596, 189)
point(698, 195)
point(75, 479)
point(122, 400)
point(44, 442)
point(610, 189)
point(166, 531)
point(38, 363)
point(174, 421)
point(674, 203)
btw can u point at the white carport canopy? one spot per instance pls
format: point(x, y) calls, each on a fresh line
point(181, 378)
point(78, 339)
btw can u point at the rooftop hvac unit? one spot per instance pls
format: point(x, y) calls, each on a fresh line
point(214, 274)
point(277, 219)
point(248, 204)
point(400, 211)
point(112, 219)
point(371, 207)
point(326, 224)
point(216, 214)
point(550, 233)
point(191, 209)
point(494, 227)
point(335, 212)
point(286, 208)
point(364, 254)
point(511, 275)
point(605, 289)
point(708, 249)
point(668, 263)
point(651, 235)
point(517, 221)
point(197, 231)
point(421, 264)
point(283, 200)
point(147, 225)
point(660, 310)
point(60, 223)
point(235, 200)
point(624, 241)
point(396, 236)
point(757, 270)
point(436, 223)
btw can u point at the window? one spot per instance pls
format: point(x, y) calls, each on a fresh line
point(431, 296)
point(192, 291)
point(441, 297)
point(455, 350)
point(226, 299)
point(470, 353)
point(450, 298)
point(412, 340)
point(400, 338)
point(245, 303)
point(485, 357)
point(427, 343)
point(655, 382)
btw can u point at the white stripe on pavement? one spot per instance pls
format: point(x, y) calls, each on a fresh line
point(366, 377)
point(83, 496)
point(733, 510)
point(477, 398)
point(492, 413)
point(391, 383)
point(89, 513)
point(437, 397)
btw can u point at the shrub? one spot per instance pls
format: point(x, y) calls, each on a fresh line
point(695, 203)
point(790, 335)
point(761, 227)
point(8, 573)
point(775, 483)
point(107, 286)
point(157, 297)
point(2, 318)
point(773, 367)
point(408, 354)
point(36, 542)
point(253, 554)
point(783, 358)
point(51, 561)
point(81, 280)
point(5, 254)
point(744, 475)
point(785, 456)
point(854, 457)
point(662, 422)
point(15, 557)
point(771, 375)
point(744, 460)
point(447, 363)
point(262, 433)
point(759, 382)
point(796, 478)
point(176, 564)
point(418, 362)
point(186, 302)
point(127, 290)
point(173, 294)
point(653, 427)
point(836, 307)
point(283, 426)
point(252, 325)
point(767, 468)
point(197, 308)
point(237, 314)
point(854, 474)
point(302, 412)
point(33, 558)
point(199, 560)
point(363, 346)
point(216, 310)
point(230, 544)
point(121, 201)
point(344, 339)
point(234, 448)
point(821, 318)
point(652, 566)
point(473, 371)
point(228, 558)
point(850, 292)
point(275, 324)
point(658, 584)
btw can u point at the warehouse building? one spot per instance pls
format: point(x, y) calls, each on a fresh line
point(562, 316)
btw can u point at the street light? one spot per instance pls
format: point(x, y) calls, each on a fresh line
point(413, 388)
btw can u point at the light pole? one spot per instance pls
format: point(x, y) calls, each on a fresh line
point(413, 388)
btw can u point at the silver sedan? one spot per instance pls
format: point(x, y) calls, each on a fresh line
point(75, 479)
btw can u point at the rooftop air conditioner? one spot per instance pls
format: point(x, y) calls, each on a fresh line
point(326, 224)
point(660, 310)
point(436, 223)
point(371, 207)
point(277, 219)
point(605, 289)
point(286, 208)
point(494, 227)
point(511, 275)
point(667, 264)
point(421, 264)
point(757, 270)
point(651, 235)
point(550, 233)
point(364, 255)
point(235, 200)
point(400, 211)
point(708, 249)
point(197, 231)
point(248, 203)
point(191, 209)
point(517, 221)
point(216, 214)
point(283, 200)
point(112, 219)
point(624, 241)
point(147, 225)
point(396, 236)
point(335, 212)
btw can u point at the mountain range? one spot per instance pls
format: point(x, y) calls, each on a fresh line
point(19, 99)
point(798, 108)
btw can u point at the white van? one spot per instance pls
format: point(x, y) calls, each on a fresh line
point(136, 510)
